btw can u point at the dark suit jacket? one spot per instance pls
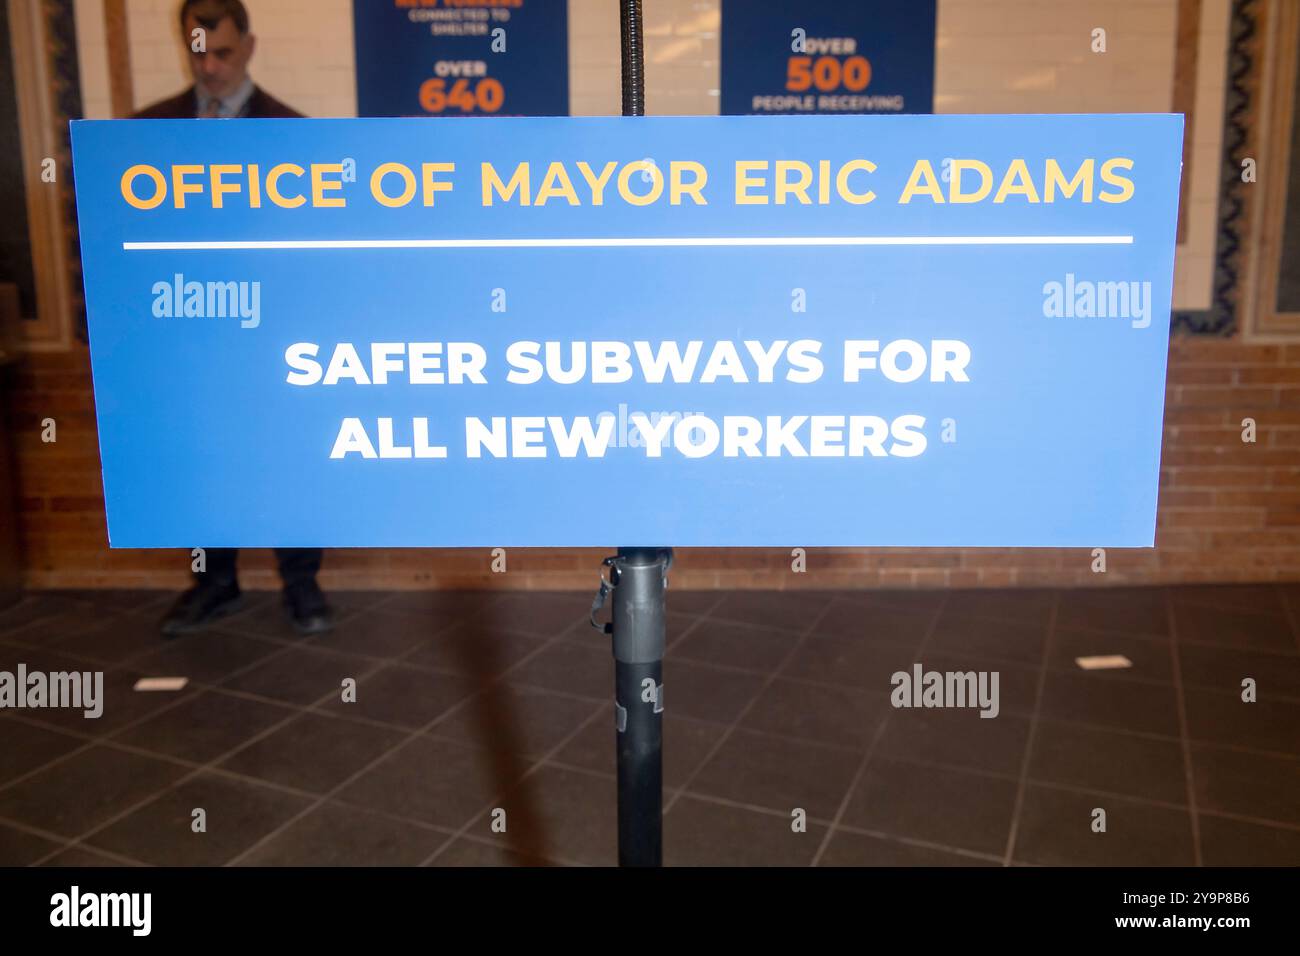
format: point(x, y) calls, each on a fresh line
point(261, 105)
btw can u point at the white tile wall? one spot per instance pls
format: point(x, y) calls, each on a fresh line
point(92, 59)
point(1194, 265)
point(1013, 56)
point(992, 55)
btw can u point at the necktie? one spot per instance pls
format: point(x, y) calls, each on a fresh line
point(211, 109)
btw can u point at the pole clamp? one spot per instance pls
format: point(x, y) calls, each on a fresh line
point(606, 586)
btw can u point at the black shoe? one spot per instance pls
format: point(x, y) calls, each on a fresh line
point(307, 607)
point(200, 606)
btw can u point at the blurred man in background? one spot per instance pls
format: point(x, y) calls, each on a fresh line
point(220, 46)
point(222, 87)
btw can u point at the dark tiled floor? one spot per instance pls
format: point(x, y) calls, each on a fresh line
point(479, 732)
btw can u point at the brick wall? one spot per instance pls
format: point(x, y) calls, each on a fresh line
point(1229, 511)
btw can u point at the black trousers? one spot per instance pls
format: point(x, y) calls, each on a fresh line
point(297, 565)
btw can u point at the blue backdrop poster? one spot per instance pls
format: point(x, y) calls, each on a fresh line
point(461, 58)
point(827, 56)
point(660, 331)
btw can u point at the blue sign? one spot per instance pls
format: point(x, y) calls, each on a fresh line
point(453, 58)
point(662, 331)
point(827, 56)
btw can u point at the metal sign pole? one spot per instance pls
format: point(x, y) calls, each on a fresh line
point(633, 58)
point(638, 578)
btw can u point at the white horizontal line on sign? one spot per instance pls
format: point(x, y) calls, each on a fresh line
point(642, 241)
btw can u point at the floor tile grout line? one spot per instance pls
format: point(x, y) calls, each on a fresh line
point(130, 663)
point(416, 822)
point(498, 845)
point(1160, 804)
point(1247, 818)
point(53, 837)
point(218, 770)
point(1247, 612)
point(536, 766)
point(412, 735)
point(502, 677)
point(455, 621)
point(1026, 758)
point(765, 629)
point(426, 729)
point(701, 619)
point(200, 768)
point(841, 827)
point(220, 626)
point(542, 640)
point(265, 600)
point(876, 737)
point(104, 737)
point(120, 858)
point(991, 858)
point(726, 735)
point(229, 626)
point(547, 758)
point(191, 690)
point(1180, 697)
point(285, 649)
point(197, 688)
point(1076, 790)
point(44, 834)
